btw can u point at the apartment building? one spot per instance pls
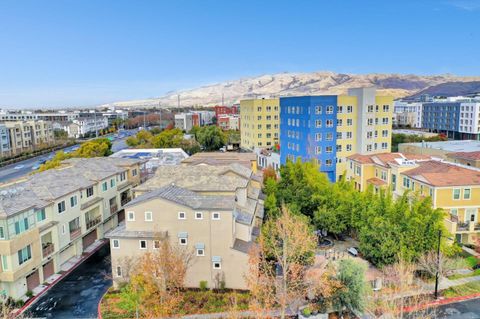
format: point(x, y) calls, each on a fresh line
point(407, 114)
point(452, 187)
point(28, 135)
point(329, 128)
point(53, 216)
point(260, 123)
point(228, 122)
point(5, 148)
point(226, 110)
point(184, 121)
point(212, 211)
point(458, 120)
point(83, 126)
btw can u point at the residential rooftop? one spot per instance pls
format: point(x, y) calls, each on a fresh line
point(219, 158)
point(473, 156)
point(155, 156)
point(387, 159)
point(443, 174)
point(449, 146)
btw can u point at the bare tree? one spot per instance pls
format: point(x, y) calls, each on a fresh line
point(432, 262)
point(278, 264)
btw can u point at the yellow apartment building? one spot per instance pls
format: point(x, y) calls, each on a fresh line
point(260, 123)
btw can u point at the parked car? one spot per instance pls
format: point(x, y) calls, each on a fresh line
point(19, 167)
point(353, 251)
point(35, 167)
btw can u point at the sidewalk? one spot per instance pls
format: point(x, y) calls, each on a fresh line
point(65, 269)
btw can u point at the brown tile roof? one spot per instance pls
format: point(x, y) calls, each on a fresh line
point(441, 174)
point(466, 155)
point(384, 159)
point(376, 181)
point(219, 158)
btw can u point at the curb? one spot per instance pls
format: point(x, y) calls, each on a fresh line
point(99, 313)
point(442, 302)
point(32, 301)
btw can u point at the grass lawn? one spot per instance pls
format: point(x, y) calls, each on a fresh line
point(194, 302)
point(462, 290)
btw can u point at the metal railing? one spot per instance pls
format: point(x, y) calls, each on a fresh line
point(125, 201)
point(47, 250)
point(92, 222)
point(75, 233)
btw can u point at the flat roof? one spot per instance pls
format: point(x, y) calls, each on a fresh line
point(450, 146)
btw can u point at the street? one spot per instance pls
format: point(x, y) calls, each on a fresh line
point(78, 294)
point(23, 168)
point(469, 309)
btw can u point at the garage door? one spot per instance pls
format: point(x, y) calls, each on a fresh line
point(33, 280)
point(48, 269)
point(67, 254)
point(89, 239)
point(121, 215)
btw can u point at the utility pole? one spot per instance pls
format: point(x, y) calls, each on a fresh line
point(95, 122)
point(438, 264)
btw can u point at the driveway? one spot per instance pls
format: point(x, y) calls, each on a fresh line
point(78, 294)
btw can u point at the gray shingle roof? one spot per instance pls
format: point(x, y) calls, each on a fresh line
point(187, 198)
point(121, 232)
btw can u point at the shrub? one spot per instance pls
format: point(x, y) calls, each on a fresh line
point(306, 312)
point(203, 285)
point(29, 294)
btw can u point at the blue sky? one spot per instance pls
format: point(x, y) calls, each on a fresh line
point(77, 53)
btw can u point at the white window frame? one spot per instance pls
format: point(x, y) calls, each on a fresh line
point(215, 218)
point(180, 241)
point(117, 274)
point(149, 213)
point(469, 194)
point(128, 216)
point(459, 193)
point(219, 265)
point(198, 215)
point(202, 250)
point(184, 215)
point(140, 244)
point(115, 241)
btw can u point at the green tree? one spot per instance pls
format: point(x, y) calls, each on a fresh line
point(211, 138)
point(351, 275)
point(168, 138)
point(95, 148)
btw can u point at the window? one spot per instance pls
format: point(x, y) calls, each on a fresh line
point(200, 252)
point(4, 262)
point(61, 206)
point(329, 137)
point(318, 109)
point(112, 182)
point(349, 147)
point(118, 271)
point(349, 122)
point(329, 149)
point(24, 255)
point(73, 201)
point(130, 216)
point(216, 216)
point(122, 176)
point(456, 193)
point(318, 137)
point(339, 122)
point(217, 265)
point(115, 243)
point(40, 216)
point(318, 123)
point(134, 172)
point(182, 215)
point(328, 162)
point(148, 216)
point(104, 186)
point(198, 215)
point(466, 193)
point(329, 109)
point(349, 109)
point(143, 244)
point(182, 241)
point(318, 150)
point(406, 182)
point(454, 211)
point(329, 123)
point(156, 244)
point(89, 192)
point(339, 147)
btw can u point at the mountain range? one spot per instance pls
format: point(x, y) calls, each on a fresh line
point(315, 83)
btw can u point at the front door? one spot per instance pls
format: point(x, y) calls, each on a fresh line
point(33, 280)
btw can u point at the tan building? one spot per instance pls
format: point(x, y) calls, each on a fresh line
point(29, 135)
point(53, 216)
point(249, 160)
point(454, 188)
point(213, 211)
point(465, 158)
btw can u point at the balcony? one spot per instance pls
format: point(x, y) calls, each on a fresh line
point(92, 222)
point(75, 233)
point(461, 226)
point(47, 249)
point(113, 209)
point(125, 200)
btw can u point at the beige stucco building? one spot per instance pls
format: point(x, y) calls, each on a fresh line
point(53, 216)
point(28, 135)
point(212, 211)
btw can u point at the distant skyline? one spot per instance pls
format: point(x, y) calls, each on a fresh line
point(84, 53)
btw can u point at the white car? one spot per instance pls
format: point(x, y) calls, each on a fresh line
point(353, 251)
point(19, 167)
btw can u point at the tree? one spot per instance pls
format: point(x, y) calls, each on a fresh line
point(99, 147)
point(60, 134)
point(168, 139)
point(279, 261)
point(351, 295)
point(431, 263)
point(159, 279)
point(211, 138)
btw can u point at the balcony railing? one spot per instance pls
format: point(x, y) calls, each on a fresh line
point(454, 218)
point(92, 222)
point(113, 209)
point(125, 201)
point(47, 249)
point(462, 226)
point(75, 233)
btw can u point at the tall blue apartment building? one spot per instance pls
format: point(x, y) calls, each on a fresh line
point(442, 117)
point(308, 130)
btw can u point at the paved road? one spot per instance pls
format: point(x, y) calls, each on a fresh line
point(25, 167)
point(461, 310)
point(78, 294)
